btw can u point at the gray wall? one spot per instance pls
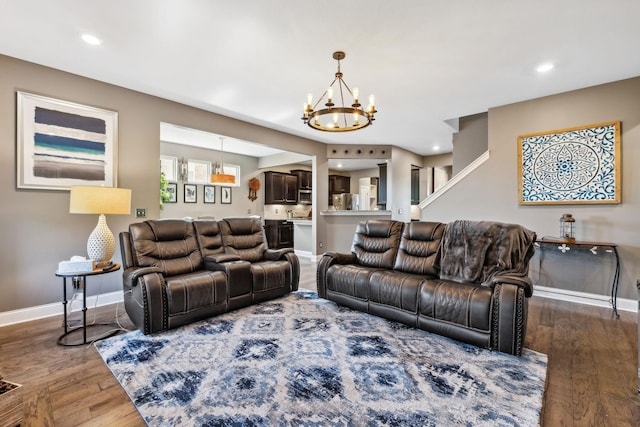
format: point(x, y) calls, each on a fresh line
point(491, 191)
point(36, 227)
point(470, 141)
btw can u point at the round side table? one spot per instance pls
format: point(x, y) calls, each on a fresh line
point(64, 339)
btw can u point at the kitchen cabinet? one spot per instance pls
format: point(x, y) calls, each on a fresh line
point(280, 188)
point(304, 179)
point(338, 184)
point(382, 184)
point(279, 233)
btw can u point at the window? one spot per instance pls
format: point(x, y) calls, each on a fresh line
point(198, 171)
point(235, 171)
point(169, 167)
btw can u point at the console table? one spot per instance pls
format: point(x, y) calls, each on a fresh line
point(83, 277)
point(596, 248)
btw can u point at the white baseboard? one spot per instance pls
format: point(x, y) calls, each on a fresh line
point(55, 309)
point(623, 304)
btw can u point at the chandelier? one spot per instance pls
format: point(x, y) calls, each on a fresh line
point(218, 176)
point(339, 118)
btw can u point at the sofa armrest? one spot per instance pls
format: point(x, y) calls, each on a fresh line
point(145, 298)
point(131, 275)
point(220, 258)
point(276, 254)
point(509, 318)
point(328, 259)
point(523, 282)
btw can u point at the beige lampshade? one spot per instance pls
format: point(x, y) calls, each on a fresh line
point(100, 200)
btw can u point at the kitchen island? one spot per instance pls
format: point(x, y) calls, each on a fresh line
point(302, 236)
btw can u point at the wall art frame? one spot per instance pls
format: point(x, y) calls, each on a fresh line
point(225, 195)
point(61, 143)
point(190, 193)
point(209, 194)
point(172, 189)
point(580, 165)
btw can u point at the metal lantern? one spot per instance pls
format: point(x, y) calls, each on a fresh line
point(567, 228)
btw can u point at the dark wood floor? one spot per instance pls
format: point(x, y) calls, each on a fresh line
point(592, 369)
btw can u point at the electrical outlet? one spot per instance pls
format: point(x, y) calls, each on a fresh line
point(248, 211)
point(400, 211)
point(321, 244)
point(141, 212)
point(276, 210)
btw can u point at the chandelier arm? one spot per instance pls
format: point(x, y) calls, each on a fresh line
point(344, 115)
point(323, 95)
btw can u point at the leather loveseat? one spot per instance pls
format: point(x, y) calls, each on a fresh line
point(180, 271)
point(465, 280)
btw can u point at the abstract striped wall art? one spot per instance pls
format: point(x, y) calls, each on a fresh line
point(60, 144)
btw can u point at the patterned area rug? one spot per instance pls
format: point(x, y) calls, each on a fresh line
point(300, 360)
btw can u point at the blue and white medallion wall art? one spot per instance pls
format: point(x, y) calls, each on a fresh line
point(570, 166)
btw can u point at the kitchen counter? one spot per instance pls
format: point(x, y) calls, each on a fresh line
point(355, 213)
point(300, 221)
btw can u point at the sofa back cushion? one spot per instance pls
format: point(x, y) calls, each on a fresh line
point(476, 251)
point(209, 237)
point(243, 237)
point(418, 248)
point(169, 244)
point(376, 242)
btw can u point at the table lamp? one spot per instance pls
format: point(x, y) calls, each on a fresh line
point(103, 201)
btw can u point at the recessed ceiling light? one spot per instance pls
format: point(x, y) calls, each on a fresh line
point(91, 39)
point(546, 67)
point(436, 147)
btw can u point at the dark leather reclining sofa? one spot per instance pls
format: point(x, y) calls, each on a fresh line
point(180, 271)
point(465, 280)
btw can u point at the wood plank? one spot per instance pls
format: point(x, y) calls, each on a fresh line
point(591, 372)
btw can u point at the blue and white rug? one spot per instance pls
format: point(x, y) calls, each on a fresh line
point(300, 360)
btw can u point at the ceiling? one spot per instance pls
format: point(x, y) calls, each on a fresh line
point(428, 62)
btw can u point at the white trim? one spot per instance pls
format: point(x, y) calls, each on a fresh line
point(453, 181)
point(624, 304)
point(41, 311)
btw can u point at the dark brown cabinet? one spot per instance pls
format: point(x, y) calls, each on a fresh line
point(280, 188)
point(279, 233)
point(382, 183)
point(338, 184)
point(304, 179)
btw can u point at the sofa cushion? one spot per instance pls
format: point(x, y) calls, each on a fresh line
point(395, 289)
point(243, 237)
point(209, 237)
point(418, 247)
point(188, 292)
point(376, 242)
point(168, 244)
point(462, 304)
point(270, 275)
point(350, 279)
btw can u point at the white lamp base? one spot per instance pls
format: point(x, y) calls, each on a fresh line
point(101, 244)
